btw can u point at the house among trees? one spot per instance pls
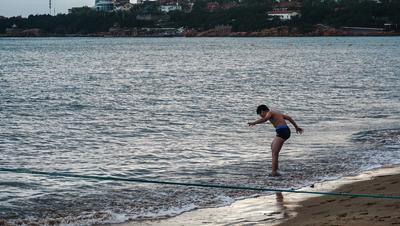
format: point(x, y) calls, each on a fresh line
point(111, 5)
point(285, 10)
point(104, 5)
point(169, 7)
point(122, 5)
point(14, 31)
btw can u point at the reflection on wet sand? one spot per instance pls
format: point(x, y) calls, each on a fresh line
point(280, 203)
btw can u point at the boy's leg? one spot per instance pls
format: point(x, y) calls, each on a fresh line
point(276, 147)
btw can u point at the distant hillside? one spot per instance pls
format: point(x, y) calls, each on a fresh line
point(203, 15)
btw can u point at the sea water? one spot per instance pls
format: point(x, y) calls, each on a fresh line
point(176, 109)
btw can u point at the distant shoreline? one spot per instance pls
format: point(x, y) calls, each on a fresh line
point(282, 31)
point(202, 36)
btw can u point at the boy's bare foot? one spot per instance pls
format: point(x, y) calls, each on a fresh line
point(274, 174)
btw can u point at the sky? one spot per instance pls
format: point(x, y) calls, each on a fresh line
point(24, 8)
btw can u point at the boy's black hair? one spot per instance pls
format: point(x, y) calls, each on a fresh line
point(262, 108)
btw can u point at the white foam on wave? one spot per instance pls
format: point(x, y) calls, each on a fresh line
point(225, 200)
point(167, 212)
point(221, 200)
point(87, 218)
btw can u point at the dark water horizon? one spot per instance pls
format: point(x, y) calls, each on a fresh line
point(176, 109)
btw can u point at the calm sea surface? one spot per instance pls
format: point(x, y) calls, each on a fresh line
point(177, 110)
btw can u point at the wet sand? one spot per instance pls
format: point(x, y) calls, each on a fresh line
point(302, 209)
point(328, 210)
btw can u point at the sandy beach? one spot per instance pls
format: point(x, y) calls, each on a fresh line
point(328, 210)
point(302, 209)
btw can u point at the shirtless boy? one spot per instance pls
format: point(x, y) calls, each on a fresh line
point(278, 120)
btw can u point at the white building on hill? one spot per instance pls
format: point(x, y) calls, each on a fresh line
point(104, 5)
point(283, 14)
point(285, 10)
point(169, 8)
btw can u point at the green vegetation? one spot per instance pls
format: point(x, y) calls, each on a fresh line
point(362, 13)
point(248, 15)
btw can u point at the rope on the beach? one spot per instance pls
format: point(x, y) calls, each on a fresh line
point(136, 180)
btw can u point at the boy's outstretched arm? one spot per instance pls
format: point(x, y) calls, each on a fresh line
point(298, 129)
point(259, 121)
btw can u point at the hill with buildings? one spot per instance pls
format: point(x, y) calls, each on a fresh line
point(214, 18)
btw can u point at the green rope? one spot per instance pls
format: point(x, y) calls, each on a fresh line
point(105, 178)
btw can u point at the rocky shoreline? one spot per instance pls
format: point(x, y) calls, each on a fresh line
point(223, 31)
point(285, 31)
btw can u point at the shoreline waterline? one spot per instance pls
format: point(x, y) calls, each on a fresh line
point(271, 210)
